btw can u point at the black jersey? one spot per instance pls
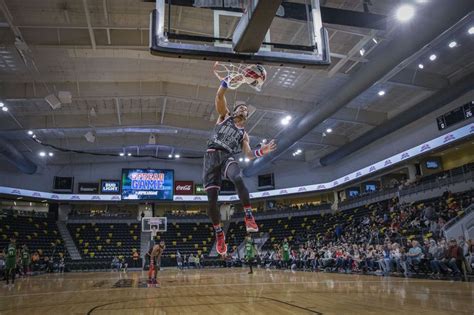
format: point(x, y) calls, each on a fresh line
point(227, 136)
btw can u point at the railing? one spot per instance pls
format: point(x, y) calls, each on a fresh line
point(448, 179)
point(380, 195)
point(456, 219)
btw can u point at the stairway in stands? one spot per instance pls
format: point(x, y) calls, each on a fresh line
point(68, 241)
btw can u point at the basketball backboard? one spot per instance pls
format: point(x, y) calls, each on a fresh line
point(157, 224)
point(286, 34)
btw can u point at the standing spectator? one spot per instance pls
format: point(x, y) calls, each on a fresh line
point(135, 258)
point(62, 264)
point(179, 261)
point(25, 260)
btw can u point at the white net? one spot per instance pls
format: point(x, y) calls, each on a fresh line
point(236, 75)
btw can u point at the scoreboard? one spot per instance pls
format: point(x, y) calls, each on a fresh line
point(455, 116)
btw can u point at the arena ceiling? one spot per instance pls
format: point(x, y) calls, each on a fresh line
point(98, 51)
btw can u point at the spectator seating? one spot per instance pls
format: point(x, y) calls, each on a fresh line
point(38, 233)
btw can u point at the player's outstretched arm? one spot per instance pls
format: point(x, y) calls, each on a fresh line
point(264, 150)
point(221, 102)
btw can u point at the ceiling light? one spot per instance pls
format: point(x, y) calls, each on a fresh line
point(362, 52)
point(298, 151)
point(129, 154)
point(421, 66)
point(42, 154)
point(90, 136)
point(33, 136)
point(30, 132)
point(1, 104)
point(405, 12)
point(51, 154)
point(381, 93)
point(264, 141)
point(170, 156)
point(433, 57)
point(471, 30)
point(246, 160)
point(288, 117)
point(284, 122)
point(176, 156)
point(122, 154)
point(241, 159)
point(329, 130)
point(452, 44)
point(375, 40)
point(5, 109)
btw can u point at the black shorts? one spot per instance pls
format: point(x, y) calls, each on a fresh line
point(215, 167)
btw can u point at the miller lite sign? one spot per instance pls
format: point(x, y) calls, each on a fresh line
point(301, 189)
point(387, 162)
point(283, 191)
point(372, 169)
point(321, 187)
point(183, 188)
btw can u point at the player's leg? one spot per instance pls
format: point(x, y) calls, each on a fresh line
point(212, 184)
point(233, 173)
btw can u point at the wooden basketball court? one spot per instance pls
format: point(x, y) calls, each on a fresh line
point(226, 291)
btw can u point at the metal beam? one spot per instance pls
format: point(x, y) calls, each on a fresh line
point(165, 100)
point(117, 107)
point(89, 24)
point(355, 50)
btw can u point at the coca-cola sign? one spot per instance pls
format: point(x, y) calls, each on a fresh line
point(183, 188)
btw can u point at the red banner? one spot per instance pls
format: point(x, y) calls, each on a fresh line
point(183, 188)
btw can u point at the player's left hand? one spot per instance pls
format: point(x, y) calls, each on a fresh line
point(269, 147)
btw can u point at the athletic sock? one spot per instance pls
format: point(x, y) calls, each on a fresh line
point(248, 211)
point(217, 228)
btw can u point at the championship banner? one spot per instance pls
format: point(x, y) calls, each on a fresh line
point(183, 187)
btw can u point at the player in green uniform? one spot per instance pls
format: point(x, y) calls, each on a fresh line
point(285, 247)
point(25, 260)
point(250, 252)
point(10, 261)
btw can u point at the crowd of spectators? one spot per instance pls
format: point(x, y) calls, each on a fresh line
point(395, 238)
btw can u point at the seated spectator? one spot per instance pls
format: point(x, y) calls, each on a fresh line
point(414, 256)
point(454, 257)
point(115, 265)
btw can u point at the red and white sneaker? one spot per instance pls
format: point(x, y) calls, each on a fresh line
point(250, 224)
point(221, 246)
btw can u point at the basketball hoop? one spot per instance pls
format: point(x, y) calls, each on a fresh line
point(236, 75)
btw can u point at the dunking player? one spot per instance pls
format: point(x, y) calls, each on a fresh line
point(155, 261)
point(229, 138)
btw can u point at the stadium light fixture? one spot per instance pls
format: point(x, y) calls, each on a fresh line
point(122, 154)
point(421, 66)
point(247, 160)
point(42, 154)
point(30, 132)
point(470, 31)
point(170, 156)
point(329, 130)
point(5, 109)
point(51, 154)
point(129, 154)
point(433, 57)
point(362, 52)
point(381, 93)
point(452, 44)
point(2, 104)
point(285, 121)
point(405, 12)
point(241, 159)
point(176, 156)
